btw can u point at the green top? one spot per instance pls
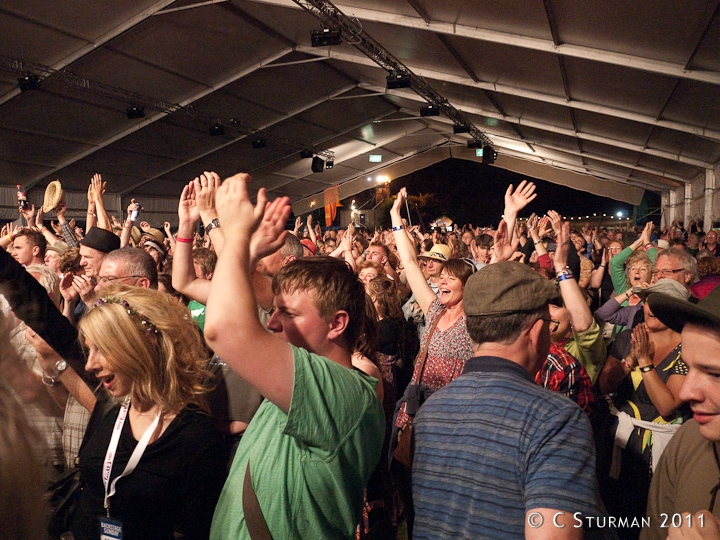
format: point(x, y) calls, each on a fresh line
point(197, 311)
point(589, 348)
point(309, 467)
point(617, 268)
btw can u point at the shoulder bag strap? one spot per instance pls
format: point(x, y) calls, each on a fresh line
point(424, 353)
point(256, 524)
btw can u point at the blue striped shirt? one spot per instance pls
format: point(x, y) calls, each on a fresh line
point(491, 446)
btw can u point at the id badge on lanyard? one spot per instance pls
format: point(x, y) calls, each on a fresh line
point(111, 529)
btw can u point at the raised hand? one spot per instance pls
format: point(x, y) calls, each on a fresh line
point(399, 201)
point(520, 198)
point(206, 186)
point(39, 218)
point(239, 217)
point(270, 234)
point(97, 187)
point(555, 220)
point(187, 208)
point(503, 248)
point(563, 246)
point(29, 214)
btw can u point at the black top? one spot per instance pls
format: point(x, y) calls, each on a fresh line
point(175, 486)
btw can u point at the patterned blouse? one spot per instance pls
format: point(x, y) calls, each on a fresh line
point(449, 350)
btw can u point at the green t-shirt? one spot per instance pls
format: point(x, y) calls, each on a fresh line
point(310, 466)
point(589, 348)
point(197, 311)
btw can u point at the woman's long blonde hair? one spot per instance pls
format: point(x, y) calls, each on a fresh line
point(150, 338)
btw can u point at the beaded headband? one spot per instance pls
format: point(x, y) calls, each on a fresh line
point(150, 327)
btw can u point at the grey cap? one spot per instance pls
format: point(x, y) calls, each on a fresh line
point(505, 288)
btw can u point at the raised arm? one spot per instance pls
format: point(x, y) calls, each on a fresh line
point(572, 295)
point(515, 201)
point(184, 279)
point(424, 295)
point(232, 322)
point(98, 189)
point(206, 186)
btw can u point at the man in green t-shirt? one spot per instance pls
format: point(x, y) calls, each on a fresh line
point(316, 438)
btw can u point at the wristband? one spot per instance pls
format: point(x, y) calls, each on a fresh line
point(183, 240)
point(645, 369)
point(564, 276)
point(624, 363)
point(398, 228)
point(10, 238)
point(92, 213)
point(648, 246)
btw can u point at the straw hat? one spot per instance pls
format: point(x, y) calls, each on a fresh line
point(53, 196)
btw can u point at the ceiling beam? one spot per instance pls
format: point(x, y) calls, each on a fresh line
point(529, 94)
point(506, 38)
point(135, 126)
point(282, 118)
point(122, 26)
point(563, 131)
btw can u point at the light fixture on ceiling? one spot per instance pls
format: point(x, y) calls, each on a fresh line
point(461, 128)
point(306, 154)
point(430, 110)
point(398, 79)
point(375, 158)
point(28, 82)
point(326, 37)
point(318, 164)
point(258, 142)
point(134, 112)
point(217, 130)
point(475, 143)
point(330, 163)
point(489, 155)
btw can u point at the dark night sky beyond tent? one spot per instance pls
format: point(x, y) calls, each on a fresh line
point(472, 193)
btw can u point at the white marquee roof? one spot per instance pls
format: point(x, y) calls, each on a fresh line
point(607, 96)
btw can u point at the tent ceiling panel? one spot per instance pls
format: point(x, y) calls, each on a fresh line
point(618, 87)
point(625, 27)
point(623, 91)
point(695, 103)
point(501, 15)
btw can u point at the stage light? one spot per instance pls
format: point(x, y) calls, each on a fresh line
point(306, 154)
point(258, 142)
point(330, 163)
point(489, 155)
point(474, 144)
point(398, 79)
point(325, 37)
point(430, 110)
point(318, 164)
point(217, 130)
point(461, 128)
point(134, 113)
point(28, 82)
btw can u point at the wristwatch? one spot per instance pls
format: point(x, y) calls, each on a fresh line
point(54, 380)
point(214, 224)
point(645, 369)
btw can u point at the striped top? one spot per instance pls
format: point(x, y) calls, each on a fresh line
point(491, 446)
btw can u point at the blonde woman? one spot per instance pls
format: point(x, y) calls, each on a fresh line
point(154, 464)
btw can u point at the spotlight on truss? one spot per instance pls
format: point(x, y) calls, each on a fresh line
point(326, 37)
point(430, 110)
point(489, 155)
point(135, 112)
point(461, 128)
point(318, 164)
point(28, 82)
point(217, 130)
point(398, 79)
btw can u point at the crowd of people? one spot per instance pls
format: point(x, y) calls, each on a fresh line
point(233, 379)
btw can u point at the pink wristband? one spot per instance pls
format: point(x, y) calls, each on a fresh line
point(183, 240)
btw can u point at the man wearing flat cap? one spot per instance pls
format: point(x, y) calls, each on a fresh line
point(684, 501)
point(497, 456)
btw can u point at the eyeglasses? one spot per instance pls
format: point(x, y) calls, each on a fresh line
point(110, 279)
point(667, 272)
point(554, 324)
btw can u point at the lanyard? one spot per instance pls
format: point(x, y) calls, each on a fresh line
point(134, 458)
